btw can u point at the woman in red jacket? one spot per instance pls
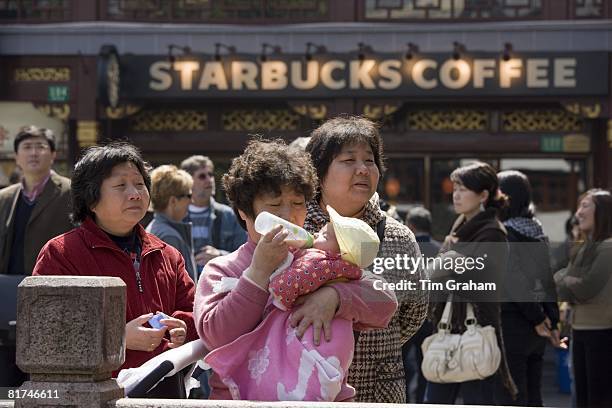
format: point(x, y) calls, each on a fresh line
point(110, 195)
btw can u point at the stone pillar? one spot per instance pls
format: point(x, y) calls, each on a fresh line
point(70, 337)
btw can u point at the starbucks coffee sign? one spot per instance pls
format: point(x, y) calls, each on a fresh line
point(378, 75)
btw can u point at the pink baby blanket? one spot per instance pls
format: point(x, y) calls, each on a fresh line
point(271, 364)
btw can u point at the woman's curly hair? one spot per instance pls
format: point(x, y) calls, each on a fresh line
point(265, 167)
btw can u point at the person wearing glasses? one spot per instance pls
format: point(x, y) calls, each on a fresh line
point(216, 230)
point(170, 198)
point(36, 209)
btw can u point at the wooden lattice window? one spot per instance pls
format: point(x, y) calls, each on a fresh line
point(218, 11)
point(447, 120)
point(35, 10)
point(549, 120)
point(171, 120)
point(253, 120)
point(588, 8)
point(451, 9)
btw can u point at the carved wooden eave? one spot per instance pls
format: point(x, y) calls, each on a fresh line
point(315, 110)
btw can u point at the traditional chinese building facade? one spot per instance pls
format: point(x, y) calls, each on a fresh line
point(523, 86)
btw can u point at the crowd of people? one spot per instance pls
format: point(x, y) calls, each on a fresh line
point(312, 321)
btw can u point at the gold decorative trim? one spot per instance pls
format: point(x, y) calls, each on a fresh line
point(188, 120)
point(448, 120)
point(87, 133)
point(122, 111)
point(42, 74)
point(4, 135)
point(610, 133)
point(376, 112)
point(576, 143)
point(552, 120)
point(256, 120)
point(588, 111)
point(61, 112)
point(313, 111)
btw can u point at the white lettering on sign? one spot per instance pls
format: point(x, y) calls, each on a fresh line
point(368, 74)
point(360, 74)
point(537, 73)
point(213, 75)
point(297, 75)
point(418, 74)
point(244, 73)
point(327, 74)
point(390, 75)
point(565, 72)
point(186, 69)
point(508, 70)
point(483, 68)
point(160, 76)
point(273, 75)
point(462, 75)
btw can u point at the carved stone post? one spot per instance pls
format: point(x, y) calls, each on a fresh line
point(70, 337)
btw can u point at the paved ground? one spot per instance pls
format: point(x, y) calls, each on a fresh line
point(550, 390)
point(551, 394)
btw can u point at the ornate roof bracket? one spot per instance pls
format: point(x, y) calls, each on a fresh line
point(59, 111)
point(378, 110)
point(589, 109)
point(313, 110)
point(122, 111)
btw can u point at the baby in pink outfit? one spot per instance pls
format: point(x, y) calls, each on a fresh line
point(310, 269)
point(271, 363)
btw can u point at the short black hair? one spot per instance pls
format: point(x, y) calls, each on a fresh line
point(420, 218)
point(517, 187)
point(327, 141)
point(29, 132)
point(95, 166)
point(265, 167)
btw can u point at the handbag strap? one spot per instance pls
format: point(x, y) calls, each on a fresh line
point(447, 315)
point(470, 317)
point(445, 325)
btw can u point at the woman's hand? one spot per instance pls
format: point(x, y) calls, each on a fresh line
point(317, 308)
point(555, 341)
point(270, 252)
point(178, 331)
point(571, 280)
point(142, 338)
point(543, 329)
point(449, 241)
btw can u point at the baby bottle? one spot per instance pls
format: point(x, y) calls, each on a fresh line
point(298, 237)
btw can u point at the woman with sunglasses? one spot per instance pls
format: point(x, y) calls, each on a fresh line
point(170, 198)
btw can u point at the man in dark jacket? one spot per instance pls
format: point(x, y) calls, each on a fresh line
point(418, 220)
point(31, 213)
point(35, 210)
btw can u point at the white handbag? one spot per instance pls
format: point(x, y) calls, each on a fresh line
point(456, 358)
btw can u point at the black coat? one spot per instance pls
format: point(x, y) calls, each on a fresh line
point(529, 277)
point(483, 236)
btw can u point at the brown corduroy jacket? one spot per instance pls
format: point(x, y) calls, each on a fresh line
point(49, 218)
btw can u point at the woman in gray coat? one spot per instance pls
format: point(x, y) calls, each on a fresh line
point(170, 198)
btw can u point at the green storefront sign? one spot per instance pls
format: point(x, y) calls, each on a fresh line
point(551, 144)
point(58, 93)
